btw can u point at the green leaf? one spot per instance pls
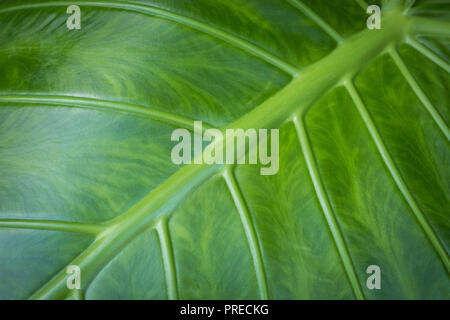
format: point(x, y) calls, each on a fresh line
point(86, 176)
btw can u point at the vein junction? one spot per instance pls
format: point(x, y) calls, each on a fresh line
point(293, 100)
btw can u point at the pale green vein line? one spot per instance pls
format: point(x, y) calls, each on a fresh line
point(376, 137)
point(326, 207)
point(249, 231)
point(91, 260)
point(192, 23)
point(104, 105)
point(318, 20)
point(420, 94)
point(51, 225)
point(168, 259)
point(75, 295)
point(428, 53)
point(78, 295)
point(431, 27)
point(300, 93)
point(362, 4)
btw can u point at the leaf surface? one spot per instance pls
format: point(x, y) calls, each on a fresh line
point(85, 171)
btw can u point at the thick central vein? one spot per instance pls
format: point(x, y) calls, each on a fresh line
point(326, 207)
point(350, 57)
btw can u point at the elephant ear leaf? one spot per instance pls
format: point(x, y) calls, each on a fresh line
point(359, 208)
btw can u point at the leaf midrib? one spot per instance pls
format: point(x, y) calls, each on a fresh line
point(295, 98)
point(306, 100)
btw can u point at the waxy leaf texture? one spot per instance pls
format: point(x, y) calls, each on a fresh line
point(86, 177)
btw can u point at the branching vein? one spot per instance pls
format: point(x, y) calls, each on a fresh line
point(420, 94)
point(168, 258)
point(429, 54)
point(51, 225)
point(397, 176)
point(192, 23)
point(363, 4)
point(318, 20)
point(249, 230)
point(326, 207)
point(296, 97)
